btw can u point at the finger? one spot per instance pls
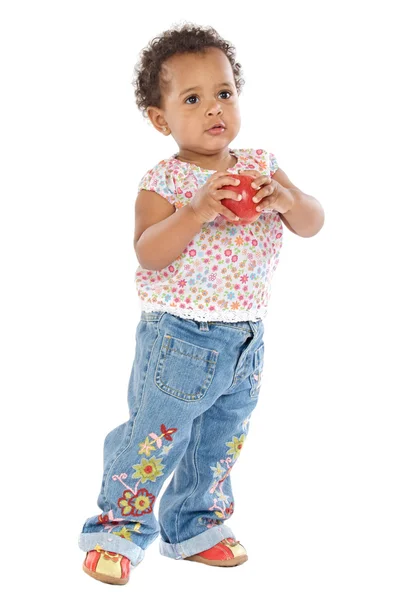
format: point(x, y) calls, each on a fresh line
point(228, 213)
point(222, 194)
point(260, 194)
point(227, 180)
point(249, 172)
point(265, 205)
point(263, 193)
point(260, 181)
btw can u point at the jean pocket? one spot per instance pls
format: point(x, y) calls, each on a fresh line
point(256, 376)
point(184, 370)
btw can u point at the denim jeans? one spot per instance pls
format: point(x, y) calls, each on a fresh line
point(192, 389)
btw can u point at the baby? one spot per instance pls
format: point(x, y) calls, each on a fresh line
point(204, 285)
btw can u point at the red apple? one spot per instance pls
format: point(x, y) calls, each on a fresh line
point(245, 209)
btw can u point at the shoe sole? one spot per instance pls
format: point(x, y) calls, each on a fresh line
point(104, 578)
point(230, 562)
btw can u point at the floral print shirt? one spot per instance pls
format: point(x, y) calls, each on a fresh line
point(225, 272)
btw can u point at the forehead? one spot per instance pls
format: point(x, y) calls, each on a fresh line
point(191, 70)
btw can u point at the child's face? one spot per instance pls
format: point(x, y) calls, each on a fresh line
point(189, 114)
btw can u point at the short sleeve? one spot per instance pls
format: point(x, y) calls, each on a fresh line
point(266, 161)
point(160, 181)
point(273, 164)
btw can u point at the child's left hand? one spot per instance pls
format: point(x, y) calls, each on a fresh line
point(277, 197)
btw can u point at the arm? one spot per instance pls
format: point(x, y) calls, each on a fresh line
point(306, 216)
point(161, 234)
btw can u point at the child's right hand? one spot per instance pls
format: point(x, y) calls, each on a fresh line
point(207, 201)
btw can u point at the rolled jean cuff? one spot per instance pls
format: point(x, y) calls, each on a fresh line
point(112, 543)
point(199, 543)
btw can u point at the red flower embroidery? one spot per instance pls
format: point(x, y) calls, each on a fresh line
point(230, 509)
point(188, 194)
point(103, 519)
point(167, 433)
point(137, 504)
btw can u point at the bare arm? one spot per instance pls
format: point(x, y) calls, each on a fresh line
point(307, 216)
point(161, 234)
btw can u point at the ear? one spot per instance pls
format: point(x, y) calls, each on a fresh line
point(157, 119)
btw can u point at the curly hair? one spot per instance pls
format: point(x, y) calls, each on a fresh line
point(188, 38)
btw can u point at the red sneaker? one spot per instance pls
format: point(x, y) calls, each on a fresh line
point(108, 567)
point(227, 553)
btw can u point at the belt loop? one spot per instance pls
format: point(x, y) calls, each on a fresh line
point(204, 326)
point(254, 327)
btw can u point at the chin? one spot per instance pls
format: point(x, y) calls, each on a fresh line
point(222, 140)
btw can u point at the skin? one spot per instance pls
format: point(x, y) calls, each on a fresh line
point(188, 116)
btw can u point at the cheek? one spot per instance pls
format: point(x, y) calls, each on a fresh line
point(235, 114)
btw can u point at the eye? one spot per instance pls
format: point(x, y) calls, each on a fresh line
point(190, 98)
point(226, 92)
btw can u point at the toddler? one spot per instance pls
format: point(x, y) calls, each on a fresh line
point(204, 285)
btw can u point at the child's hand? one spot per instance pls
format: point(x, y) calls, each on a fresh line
point(276, 196)
point(207, 201)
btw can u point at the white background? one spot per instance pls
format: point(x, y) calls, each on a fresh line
point(315, 488)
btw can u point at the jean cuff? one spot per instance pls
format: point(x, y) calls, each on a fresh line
point(196, 544)
point(112, 543)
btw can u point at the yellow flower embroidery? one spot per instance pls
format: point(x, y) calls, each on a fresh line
point(235, 446)
point(148, 470)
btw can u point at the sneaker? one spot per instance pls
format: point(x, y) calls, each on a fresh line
point(108, 567)
point(227, 553)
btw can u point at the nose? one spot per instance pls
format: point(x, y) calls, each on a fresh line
point(214, 109)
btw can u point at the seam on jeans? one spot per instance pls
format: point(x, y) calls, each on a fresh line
point(196, 483)
point(212, 362)
point(258, 370)
point(220, 324)
point(118, 455)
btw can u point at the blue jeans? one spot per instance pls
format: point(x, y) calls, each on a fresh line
point(192, 389)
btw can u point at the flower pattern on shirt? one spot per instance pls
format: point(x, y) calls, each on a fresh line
point(225, 272)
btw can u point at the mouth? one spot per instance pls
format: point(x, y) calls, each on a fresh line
point(218, 127)
point(216, 130)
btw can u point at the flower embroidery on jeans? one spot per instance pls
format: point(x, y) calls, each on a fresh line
point(236, 446)
point(136, 504)
point(139, 501)
point(222, 508)
point(110, 522)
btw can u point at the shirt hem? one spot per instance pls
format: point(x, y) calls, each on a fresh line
point(226, 316)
